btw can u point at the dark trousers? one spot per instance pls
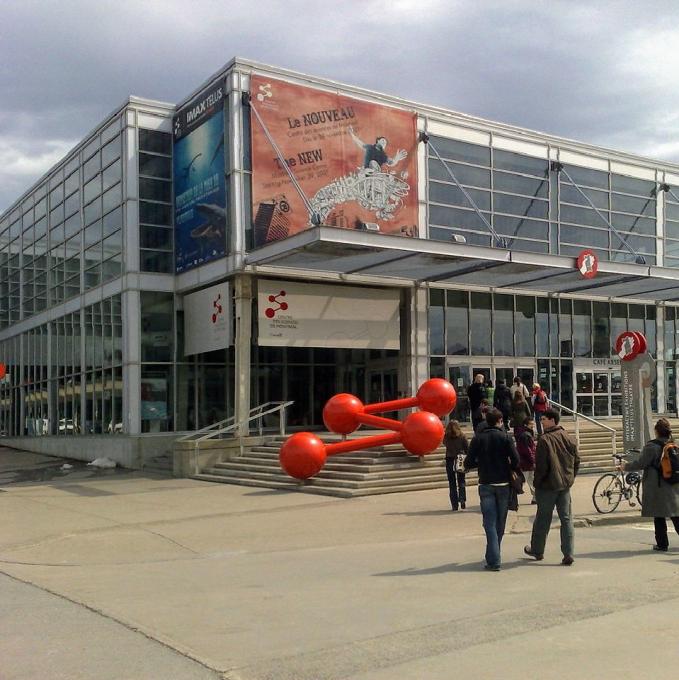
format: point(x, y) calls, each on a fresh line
point(456, 482)
point(547, 501)
point(661, 539)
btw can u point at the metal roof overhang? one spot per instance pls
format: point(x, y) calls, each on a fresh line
point(349, 255)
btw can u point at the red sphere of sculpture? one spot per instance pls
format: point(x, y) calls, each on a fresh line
point(302, 455)
point(422, 433)
point(339, 413)
point(437, 396)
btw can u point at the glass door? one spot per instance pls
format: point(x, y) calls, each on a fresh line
point(670, 387)
point(598, 392)
point(460, 378)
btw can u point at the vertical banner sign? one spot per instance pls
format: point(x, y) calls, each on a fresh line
point(207, 319)
point(199, 181)
point(355, 162)
point(638, 375)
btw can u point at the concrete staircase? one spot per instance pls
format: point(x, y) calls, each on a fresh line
point(388, 469)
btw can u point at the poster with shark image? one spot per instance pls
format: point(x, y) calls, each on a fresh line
point(199, 180)
point(320, 157)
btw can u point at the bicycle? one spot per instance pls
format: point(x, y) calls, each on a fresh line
point(613, 487)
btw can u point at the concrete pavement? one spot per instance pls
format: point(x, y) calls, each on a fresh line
point(257, 583)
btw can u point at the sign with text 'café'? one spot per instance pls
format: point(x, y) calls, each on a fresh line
point(298, 314)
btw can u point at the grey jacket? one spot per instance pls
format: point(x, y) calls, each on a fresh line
point(659, 498)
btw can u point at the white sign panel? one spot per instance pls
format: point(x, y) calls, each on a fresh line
point(296, 314)
point(207, 319)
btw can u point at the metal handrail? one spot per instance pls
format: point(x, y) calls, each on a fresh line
point(258, 412)
point(577, 415)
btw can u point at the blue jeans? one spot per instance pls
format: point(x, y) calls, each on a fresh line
point(494, 508)
point(547, 501)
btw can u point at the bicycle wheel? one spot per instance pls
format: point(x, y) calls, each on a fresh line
point(607, 493)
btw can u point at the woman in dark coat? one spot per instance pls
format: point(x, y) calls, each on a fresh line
point(525, 447)
point(456, 445)
point(520, 410)
point(660, 499)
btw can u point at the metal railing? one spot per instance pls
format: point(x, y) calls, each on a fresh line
point(577, 417)
point(229, 426)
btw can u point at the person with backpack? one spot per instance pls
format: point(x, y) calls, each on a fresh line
point(659, 459)
point(540, 404)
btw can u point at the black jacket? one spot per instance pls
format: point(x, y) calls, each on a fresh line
point(476, 393)
point(492, 451)
point(503, 399)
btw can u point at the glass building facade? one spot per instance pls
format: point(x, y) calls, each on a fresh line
point(92, 311)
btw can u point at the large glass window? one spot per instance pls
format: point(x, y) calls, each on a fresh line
point(524, 323)
point(503, 325)
point(511, 190)
point(457, 322)
point(155, 205)
point(582, 328)
point(480, 323)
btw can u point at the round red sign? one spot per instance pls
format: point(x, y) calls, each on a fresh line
point(630, 345)
point(588, 264)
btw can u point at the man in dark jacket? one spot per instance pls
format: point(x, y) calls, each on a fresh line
point(556, 464)
point(503, 401)
point(476, 393)
point(492, 451)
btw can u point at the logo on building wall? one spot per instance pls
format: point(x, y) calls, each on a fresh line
point(264, 92)
point(217, 307)
point(630, 344)
point(588, 264)
point(281, 306)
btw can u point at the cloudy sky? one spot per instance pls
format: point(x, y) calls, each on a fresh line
point(603, 72)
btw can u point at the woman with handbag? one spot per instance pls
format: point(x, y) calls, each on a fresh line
point(456, 451)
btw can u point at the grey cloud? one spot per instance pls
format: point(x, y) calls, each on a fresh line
point(557, 67)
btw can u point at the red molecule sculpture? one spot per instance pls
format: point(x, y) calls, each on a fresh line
point(304, 454)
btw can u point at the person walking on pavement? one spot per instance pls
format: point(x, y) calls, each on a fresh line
point(457, 447)
point(492, 451)
point(525, 446)
point(540, 404)
point(518, 386)
point(503, 402)
point(556, 463)
point(661, 499)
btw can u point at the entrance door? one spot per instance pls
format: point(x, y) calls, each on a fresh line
point(598, 392)
point(383, 385)
point(460, 378)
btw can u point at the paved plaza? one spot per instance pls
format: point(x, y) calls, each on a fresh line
point(118, 574)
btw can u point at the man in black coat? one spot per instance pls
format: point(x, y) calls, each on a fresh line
point(492, 451)
point(503, 401)
point(476, 393)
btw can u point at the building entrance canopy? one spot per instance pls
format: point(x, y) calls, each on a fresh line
point(397, 260)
